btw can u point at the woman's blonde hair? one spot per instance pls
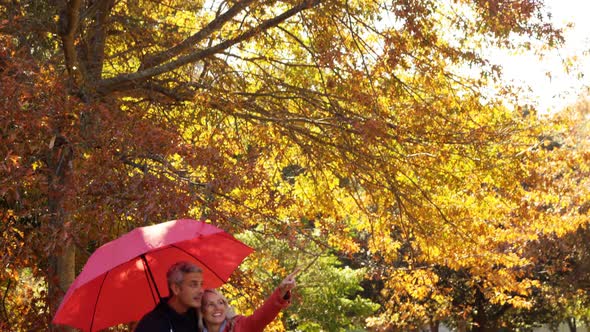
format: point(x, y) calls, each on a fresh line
point(229, 310)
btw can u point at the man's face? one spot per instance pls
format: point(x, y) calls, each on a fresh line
point(190, 290)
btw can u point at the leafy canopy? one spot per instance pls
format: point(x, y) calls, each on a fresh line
point(352, 124)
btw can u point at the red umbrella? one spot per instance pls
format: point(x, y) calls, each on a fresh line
point(124, 279)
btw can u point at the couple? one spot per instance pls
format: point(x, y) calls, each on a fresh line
point(189, 308)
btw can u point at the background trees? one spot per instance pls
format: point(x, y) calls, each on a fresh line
point(365, 129)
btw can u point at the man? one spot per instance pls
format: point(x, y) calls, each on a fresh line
point(178, 312)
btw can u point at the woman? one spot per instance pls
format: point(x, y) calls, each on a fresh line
point(218, 316)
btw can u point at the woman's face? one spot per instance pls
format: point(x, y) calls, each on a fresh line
point(213, 308)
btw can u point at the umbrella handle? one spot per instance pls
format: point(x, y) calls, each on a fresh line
point(151, 277)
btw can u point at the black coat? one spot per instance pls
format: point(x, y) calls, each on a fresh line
point(164, 319)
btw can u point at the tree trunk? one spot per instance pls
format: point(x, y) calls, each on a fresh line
point(62, 256)
point(462, 326)
point(434, 326)
point(571, 322)
point(63, 274)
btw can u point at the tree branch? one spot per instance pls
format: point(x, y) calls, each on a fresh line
point(69, 20)
point(157, 59)
point(96, 44)
point(4, 311)
point(126, 81)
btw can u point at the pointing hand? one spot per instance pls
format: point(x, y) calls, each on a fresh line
point(289, 282)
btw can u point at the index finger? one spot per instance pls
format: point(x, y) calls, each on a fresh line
point(294, 273)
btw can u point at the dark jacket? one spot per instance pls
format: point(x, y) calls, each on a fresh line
point(164, 319)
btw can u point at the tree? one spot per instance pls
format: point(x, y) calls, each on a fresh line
point(325, 288)
point(353, 116)
point(559, 258)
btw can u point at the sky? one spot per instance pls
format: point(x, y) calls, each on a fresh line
point(551, 93)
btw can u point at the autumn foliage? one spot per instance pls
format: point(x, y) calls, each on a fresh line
point(364, 130)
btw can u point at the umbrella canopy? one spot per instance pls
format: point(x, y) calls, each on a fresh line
point(117, 283)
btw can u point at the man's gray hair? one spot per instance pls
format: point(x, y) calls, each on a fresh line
point(176, 272)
